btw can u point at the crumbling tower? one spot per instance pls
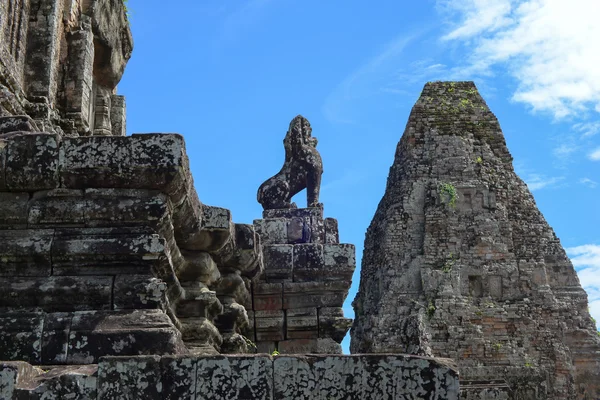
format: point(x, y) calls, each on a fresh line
point(460, 263)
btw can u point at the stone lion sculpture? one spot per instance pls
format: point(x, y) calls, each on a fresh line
point(301, 169)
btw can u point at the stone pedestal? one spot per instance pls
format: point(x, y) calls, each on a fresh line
point(298, 300)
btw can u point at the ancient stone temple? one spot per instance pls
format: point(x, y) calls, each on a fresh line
point(119, 283)
point(60, 63)
point(460, 263)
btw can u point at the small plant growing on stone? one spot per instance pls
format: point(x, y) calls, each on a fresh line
point(450, 261)
point(449, 191)
point(479, 160)
point(497, 346)
point(275, 352)
point(430, 309)
point(250, 344)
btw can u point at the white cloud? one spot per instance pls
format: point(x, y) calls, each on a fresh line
point(537, 182)
point(595, 155)
point(586, 260)
point(549, 46)
point(588, 182)
point(564, 150)
point(588, 129)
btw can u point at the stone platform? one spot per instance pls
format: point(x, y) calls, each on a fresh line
point(259, 377)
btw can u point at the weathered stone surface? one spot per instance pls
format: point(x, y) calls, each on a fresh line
point(460, 263)
point(58, 207)
point(332, 234)
point(269, 325)
point(301, 169)
point(32, 162)
point(55, 338)
point(130, 378)
point(26, 252)
point(74, 249)
point(73, 382)
point(332, 323)
point(61, 293)
point(131, 292)
point(179, 377)
point(386, 377)
point(16, 123)
point(13, 213)
point(309, 346)
point(235, 377)
point(121, 333)
point(314, 294)
point(13, 375)
point(278, 261)
point(267, 296)
point(21, 336)
point(271, 230)
point(150, 161)
point(302, 323)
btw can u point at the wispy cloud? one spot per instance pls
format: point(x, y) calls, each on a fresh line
point(565, 150)
point(586, 260)
point(549, 47)
point(588, 182)
point(587, 129)
point(536, 181)
point(365, 79)
point(595, 155)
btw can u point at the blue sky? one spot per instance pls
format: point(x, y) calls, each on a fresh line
point(230, 75)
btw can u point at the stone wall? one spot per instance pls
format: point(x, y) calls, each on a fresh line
point(107, 250)
point(297, 302)
point(60, 63)
point(385, 377)
point(460, 263)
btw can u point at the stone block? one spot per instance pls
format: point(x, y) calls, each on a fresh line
point(130, 378)
point(125, 207)
point(179, 377)
point(139, 292)
point(13, 210)
point(121, 333)
point(13, 375)
point(91, 250)
point(214, 233)
point(266, 347)
point(21, 336)
point(339, 262)
point(314, 294)
point(200, 332)
point(237, 377)
point(302, 323)
point(267, 296)
point(55, 338)
point(16, 123)
point(269, 325)
point(289, 213)
point(308, 263)
point(32, 162)
point(363, 377)
point(69, 382)
point(64, 207)
point(26, 252)
point(3, 146)
point(57, 293)
point(199, 303)
point(272, 230)
point(199, 266)
point(152, 161)
point(332, 323)
point(278, 261)
point(332, 235)
point(309, 346)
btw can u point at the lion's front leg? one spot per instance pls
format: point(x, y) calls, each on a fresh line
point(313, 188)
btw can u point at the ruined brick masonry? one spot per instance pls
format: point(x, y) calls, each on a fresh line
point(460, 263)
